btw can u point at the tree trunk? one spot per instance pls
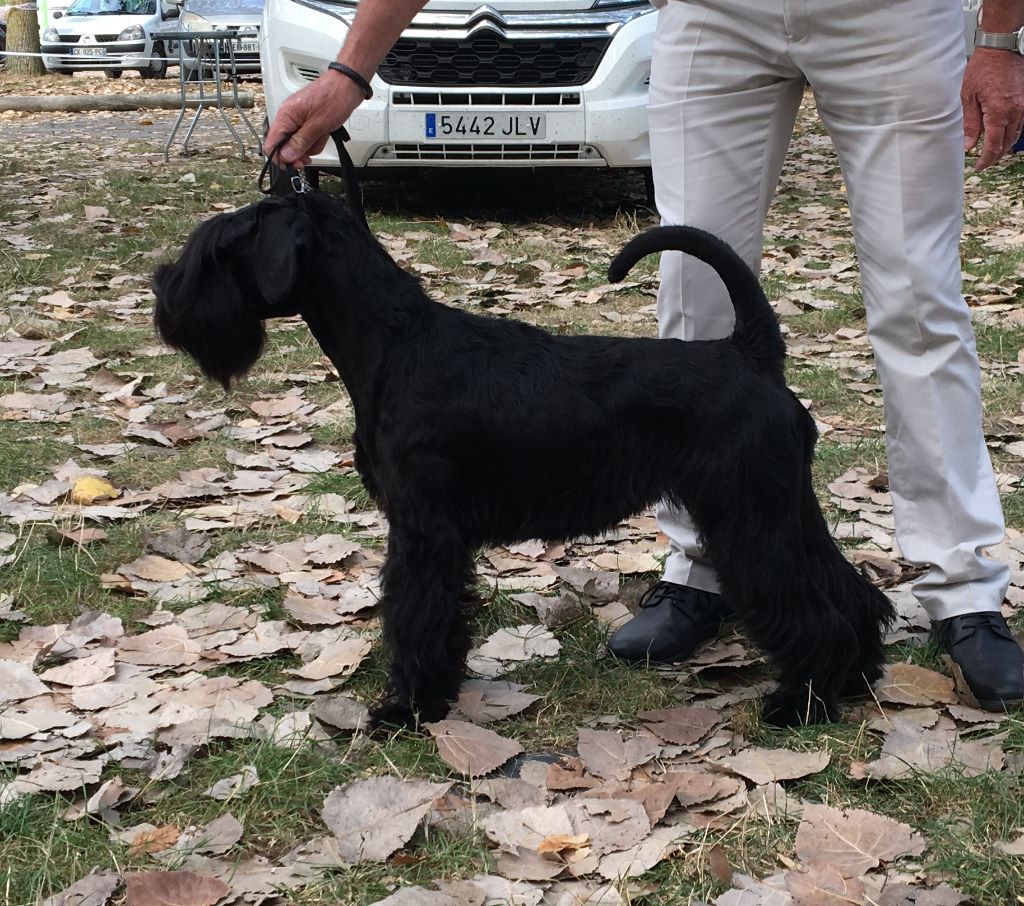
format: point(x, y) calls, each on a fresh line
point(23, 37)
point(75, 103)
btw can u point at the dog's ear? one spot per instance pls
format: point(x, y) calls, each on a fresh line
point(283, 240)
point(206, 304)
point(235, 271)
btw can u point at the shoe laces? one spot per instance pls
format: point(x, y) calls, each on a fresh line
point(656, 594)
point(693, 603)
point(971, 623)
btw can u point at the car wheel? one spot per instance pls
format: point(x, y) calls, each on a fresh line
point(112, 73)
point(158, 65)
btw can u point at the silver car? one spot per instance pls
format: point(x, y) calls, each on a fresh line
point(108, 35)
point(239, 16)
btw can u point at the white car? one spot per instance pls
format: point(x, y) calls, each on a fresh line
point(515, 83)
point(108, 35)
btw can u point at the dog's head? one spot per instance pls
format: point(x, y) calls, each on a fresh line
point(235, 271)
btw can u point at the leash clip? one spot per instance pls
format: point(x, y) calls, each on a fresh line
point(300, 185)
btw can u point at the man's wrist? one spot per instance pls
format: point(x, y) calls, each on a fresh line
point(353, 75)
point(1001, 16)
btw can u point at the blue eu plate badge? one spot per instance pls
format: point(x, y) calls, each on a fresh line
point(431, 125)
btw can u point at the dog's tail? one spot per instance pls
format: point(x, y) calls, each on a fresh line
point(757, 329)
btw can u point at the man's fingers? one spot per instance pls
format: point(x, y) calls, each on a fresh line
point(972, 126)
point(996, 135)
point(295, 147)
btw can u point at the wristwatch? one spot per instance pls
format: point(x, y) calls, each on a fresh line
point(1012, 40)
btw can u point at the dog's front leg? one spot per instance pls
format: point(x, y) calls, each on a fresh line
point(426, 583)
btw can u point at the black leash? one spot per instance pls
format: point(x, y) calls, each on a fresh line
point(297, 178)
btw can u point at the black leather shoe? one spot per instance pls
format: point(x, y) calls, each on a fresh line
point(671, 622)
point(988, 656)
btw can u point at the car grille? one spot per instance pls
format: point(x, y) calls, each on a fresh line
point(489, 58)
point(74, 39)
point(414, 152)
point(488, 99)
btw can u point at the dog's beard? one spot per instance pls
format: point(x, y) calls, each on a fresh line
point(209, 319)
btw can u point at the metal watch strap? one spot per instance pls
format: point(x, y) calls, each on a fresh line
point(1013, 40)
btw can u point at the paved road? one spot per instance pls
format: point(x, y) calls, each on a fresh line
point(146, 126)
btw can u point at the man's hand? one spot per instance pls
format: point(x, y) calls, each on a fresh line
point(993, 99)
point(310, 116)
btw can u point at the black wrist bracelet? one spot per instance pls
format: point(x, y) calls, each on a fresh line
point(354, 76)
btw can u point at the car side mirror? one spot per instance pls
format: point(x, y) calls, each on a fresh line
point(58, 15)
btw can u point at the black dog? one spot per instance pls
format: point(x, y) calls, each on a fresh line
point(476, 431)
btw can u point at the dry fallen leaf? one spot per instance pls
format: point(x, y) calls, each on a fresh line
point(681, 726)
point(767, 765)
point(512, 644)
point(823, 885)
point(173, 888)
point(84, 671)
point(235, 785)
point(470, 749)
point(606, 754)
point(88, 489)
point(18, 682)
point(486, 700)
point(92, 890)
point(154, 841)
point(908, 684)
point(910, 748)
point(853, 841)
point(166, 646)
point(338, 658)
point(372, 818)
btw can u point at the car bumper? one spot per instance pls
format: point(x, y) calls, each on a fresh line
point(602, 123)
point(122, 55)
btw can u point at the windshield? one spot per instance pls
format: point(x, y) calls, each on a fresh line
point(112, 8)
point(224, 7)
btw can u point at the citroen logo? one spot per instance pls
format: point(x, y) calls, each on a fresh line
point(486, 17)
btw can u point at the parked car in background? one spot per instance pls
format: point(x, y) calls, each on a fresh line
point(514, 83)
point(240, 16)
point(108, 35)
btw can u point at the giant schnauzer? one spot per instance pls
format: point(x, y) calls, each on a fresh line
point(474, 430)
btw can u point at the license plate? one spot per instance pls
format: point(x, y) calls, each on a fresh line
point(489, 126)
point(88, 51)
point(248, 47)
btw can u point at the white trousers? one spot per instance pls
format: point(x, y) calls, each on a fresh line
point(726, 82)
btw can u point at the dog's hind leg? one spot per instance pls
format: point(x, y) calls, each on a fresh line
point(865, 607)
point(753, 533)
point(426, 582)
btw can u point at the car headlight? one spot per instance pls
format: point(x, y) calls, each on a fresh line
point(132, 33)
point(50, 36)
point(190, 21)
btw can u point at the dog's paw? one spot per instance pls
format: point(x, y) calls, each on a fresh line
point(393, 714)
point(798, 708)
point(858, 685)
point(399, 713)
